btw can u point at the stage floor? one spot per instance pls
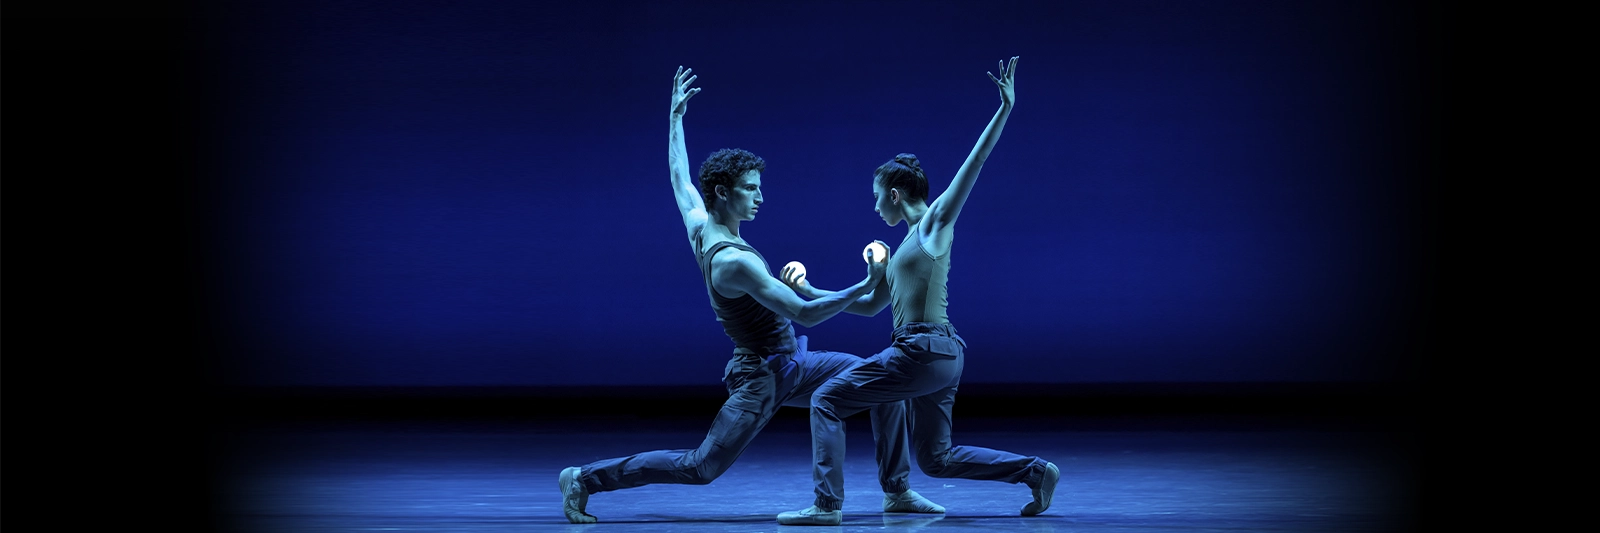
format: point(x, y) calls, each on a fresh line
point(1182, 474)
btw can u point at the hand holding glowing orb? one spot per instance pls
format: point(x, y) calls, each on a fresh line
point(793, 273)
point(875, 252)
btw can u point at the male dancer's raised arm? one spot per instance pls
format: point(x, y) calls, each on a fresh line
point(690, 205)
point(770, 366)
point(736, 272)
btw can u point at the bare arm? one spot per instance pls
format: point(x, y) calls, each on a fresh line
point(690, 205)
point(869, 304)
point(943, 211)
point(736, 270)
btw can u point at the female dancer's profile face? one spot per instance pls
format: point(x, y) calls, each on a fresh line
point(885, 206)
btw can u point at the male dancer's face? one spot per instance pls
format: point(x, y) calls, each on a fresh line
point(745, 198)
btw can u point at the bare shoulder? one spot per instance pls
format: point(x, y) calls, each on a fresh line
point(696, 227)
point(734, 271)
point(935, 238)
point(695, 218)
point(735, 261)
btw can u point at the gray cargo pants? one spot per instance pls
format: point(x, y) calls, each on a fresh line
point(923, 366)
point(757, 386)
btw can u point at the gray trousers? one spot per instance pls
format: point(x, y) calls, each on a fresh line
point(922, 367)
point(756, 388)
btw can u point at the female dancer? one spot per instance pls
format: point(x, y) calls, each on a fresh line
point(924, 363)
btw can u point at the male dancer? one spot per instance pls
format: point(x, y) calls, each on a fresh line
point(770, 366)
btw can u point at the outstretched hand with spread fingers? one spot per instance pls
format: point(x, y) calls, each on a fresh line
point(681, 93)
point(1007, 81)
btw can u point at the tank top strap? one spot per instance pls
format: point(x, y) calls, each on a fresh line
point(704, 258)
point(753, 328)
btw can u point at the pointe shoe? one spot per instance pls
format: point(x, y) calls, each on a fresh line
point(811, 516)
point(909, 502)
point(574, 499)
point(1043, 493)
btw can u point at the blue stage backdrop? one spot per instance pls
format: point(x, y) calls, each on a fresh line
point(413, 193)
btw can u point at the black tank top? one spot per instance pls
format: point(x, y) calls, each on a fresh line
point(752, 327)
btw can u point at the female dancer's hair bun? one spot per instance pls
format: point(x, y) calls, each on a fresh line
point(910, 161)
point(904, 172)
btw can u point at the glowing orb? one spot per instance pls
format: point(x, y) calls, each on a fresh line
point(798, 274)
point(879, 251)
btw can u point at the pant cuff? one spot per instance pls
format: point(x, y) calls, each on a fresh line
point(896, 486)
point(1035, 474)
point(828, 504)
point(590, 484)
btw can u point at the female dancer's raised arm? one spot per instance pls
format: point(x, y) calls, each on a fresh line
point(944, 210)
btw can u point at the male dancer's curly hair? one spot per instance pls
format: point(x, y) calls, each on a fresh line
point(724, 168)
point(904, 173)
